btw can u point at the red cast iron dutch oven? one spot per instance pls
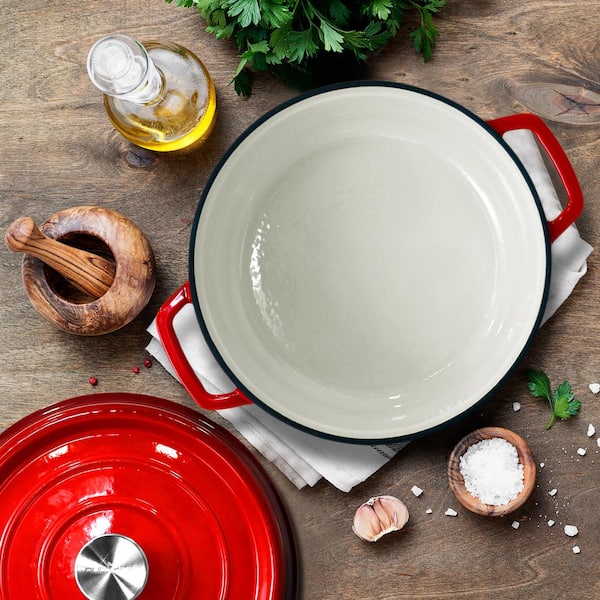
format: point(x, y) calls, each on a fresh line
point(370, 261)
point(120, 496)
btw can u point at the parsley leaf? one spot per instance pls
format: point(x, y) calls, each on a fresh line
point(539, 384)
point(246, 11)
point(562, 401)
point(381, 8)
point(331, 38)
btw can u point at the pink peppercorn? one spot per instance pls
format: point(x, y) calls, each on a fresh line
point(147, 363)
point(93, 381)
point(136, 370)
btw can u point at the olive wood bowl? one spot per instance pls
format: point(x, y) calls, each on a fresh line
point(88, 270)
point(457, 483)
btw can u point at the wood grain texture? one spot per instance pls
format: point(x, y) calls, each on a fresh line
point(495, 57)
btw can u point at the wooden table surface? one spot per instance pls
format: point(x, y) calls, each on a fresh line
point(495, 57)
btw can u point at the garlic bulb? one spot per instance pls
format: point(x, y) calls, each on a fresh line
point(377, 516)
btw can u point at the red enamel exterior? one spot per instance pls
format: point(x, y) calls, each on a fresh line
point(192, 496)
point(165, 324)
point(559, 159)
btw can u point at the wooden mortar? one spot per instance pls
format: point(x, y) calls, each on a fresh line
point(88, 270)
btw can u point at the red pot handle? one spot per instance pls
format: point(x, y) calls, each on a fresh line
point(558, 157)
point(168, 338)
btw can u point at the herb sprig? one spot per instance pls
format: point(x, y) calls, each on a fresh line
point(287, 37)
point(562, 400)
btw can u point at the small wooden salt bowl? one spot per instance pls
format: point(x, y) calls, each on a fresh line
point(457, 483)
point(88, 270)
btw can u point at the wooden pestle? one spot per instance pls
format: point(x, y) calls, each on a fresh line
point(88, 272)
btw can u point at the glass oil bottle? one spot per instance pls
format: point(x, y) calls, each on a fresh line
point(159, 96)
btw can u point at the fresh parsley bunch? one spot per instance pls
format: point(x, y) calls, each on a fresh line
point(292, 38)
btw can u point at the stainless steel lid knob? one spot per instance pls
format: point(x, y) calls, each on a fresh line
point(111, 567)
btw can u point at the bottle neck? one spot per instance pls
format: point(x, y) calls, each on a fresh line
point(120, 66)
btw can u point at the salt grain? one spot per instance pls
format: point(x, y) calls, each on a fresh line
point(571, 530)
point(450, 512)
point(552, 492)
point(576, 549)
point(515, 524)
point(550, 523)
point(591, 430)
point(492, 472)
point(516, 406)
point(429, 511)
point(581, 451)
point(416, 490)
point(594, 388)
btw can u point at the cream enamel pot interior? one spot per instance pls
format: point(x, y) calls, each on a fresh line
point(369, 262)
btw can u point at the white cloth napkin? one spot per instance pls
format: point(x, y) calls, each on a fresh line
point(302, 457)
point(305, 458)
point(569, 252)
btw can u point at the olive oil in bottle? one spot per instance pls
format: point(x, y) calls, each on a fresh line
point(158, 95)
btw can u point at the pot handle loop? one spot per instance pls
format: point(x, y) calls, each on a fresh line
point(166, 332)
point(561, 163)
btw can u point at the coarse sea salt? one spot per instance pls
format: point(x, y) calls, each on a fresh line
point(416, 490)
point(571, 530)
point(492, 472)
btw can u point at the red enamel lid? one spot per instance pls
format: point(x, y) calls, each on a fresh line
point(123, 496)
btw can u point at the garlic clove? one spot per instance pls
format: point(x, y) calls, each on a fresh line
point(377, 516)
